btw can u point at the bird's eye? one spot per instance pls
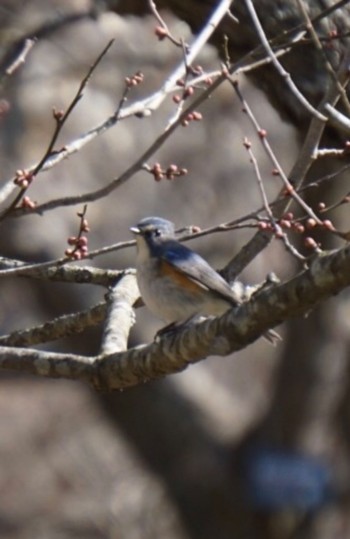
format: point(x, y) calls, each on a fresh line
point(157, 232)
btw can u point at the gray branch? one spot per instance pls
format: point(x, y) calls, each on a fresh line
point(62, 326)
point(67, 273)
point(328, 274)
point(120, 315)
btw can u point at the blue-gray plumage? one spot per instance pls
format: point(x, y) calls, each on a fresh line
point(175, 282)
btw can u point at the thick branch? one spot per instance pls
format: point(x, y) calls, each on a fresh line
point(328, 275)
point(120, 315)
point(65, 273)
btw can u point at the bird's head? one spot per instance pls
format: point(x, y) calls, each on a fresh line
point(150, 232)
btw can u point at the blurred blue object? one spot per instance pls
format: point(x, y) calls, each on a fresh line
point(275, 479)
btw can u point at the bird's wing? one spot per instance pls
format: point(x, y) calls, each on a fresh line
point(185, 264)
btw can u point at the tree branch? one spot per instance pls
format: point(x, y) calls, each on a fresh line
point(328, 274)
point(62, 326)
point(66, 273)
point(120, 315)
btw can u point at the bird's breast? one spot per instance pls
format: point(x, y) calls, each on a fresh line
point(174, 297)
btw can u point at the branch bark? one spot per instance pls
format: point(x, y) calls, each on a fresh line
point(327, 275)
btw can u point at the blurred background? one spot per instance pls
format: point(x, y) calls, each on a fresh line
point(253, 445)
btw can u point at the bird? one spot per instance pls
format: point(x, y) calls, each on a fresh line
point(175, 282)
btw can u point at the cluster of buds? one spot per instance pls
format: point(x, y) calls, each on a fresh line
point(79, 244)
point(135, 80)
point(23, 178)
point(195, 71)
point(190, 117)
point(287, 222)
point(188, 92)
point(27, 203)
point(311, 223)
point(173, 171)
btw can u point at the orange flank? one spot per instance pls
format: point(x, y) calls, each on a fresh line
point(180, 278)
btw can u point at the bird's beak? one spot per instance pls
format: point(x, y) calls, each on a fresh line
point(135, 230)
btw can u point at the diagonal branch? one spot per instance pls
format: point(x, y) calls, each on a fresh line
point(296, 176)
point(280, 69)
point(62, 326)
point(60, 118)
point(141, 109)
point(328, 274)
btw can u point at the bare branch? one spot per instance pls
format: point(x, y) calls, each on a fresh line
point(141, 108)
point(296, 177)
point(116, 182)
point(58, 269)
point(284, 74)
point(319, 47)
point(219, 12)
point(21, 56)
point(276, 227)
point(18, 48)
point(62, 326)
point(338, 119)
point(60, 119)
point(120, 315)
point(163, 31)
point(66, 273)
point(328, 275)
point(266, 145)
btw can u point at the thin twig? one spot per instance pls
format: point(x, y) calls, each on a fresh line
point(202, 38)
point(141, 108)
point(318, 44)
point(60, 119)
point(16, 48)
point(163, 25)
point(331, 152)
point(278, 232)
point(21, 56)
point(280, 69)
point(296, 177)
point(267, 147)
point(152, 102)
point(116, 182)
point(36, 269)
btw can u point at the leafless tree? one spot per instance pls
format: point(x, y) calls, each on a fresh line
point(269, 482)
